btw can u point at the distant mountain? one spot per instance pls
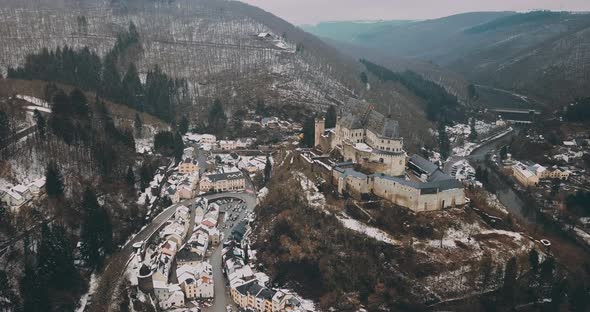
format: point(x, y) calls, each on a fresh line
point(349, 31)
point(543, 55)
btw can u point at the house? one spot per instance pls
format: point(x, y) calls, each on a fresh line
point(169, 248)
point(244, 142)
point(175, 298)
point(23, 191)
point(162, 268)
point(185, 190)
point(223, 182)
point(37, 187)
point(264, 35)
point(187, 257)
point(196, 281)
point(531, 175)
point(270, 122)
point(252, 296)
point(199, 242)
point(12, 198)
point(161, 290)
point(182, 213)
point(174, 232)
point(188, 166)
point(214, 236)
point(174, 196)
point(227, 145)
point(283, 301)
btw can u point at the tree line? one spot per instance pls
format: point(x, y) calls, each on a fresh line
point(440, 105)
point(113, 77)
point(579, 111)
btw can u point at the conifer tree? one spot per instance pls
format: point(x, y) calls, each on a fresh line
point(331, 117)
point(96, 230)
point(41, 124)
point(132, 88)
point(510, 275)
point(217, 117)
point(55, 259)
point(534, 260)
point(6, 289)
point(145, 176)
point(183, 125)
point(443, 141)
point(178, 147)
point(4, 126)
point(130, 177)
point(138, 125)
point(111, 79)
point(267, 170)
point(54, 184)
point(79, 103)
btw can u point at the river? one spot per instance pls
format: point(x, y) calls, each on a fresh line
point(506, 195)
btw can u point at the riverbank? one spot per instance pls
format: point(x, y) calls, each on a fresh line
point(569, 251)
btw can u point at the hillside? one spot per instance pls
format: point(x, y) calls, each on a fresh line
point(542, 55)
point(213, 45)
point(453, 83)
point(348, 31)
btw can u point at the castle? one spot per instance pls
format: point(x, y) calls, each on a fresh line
point(371, 143)
point(374, 143)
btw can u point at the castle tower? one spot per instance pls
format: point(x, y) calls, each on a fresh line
point(320, 127)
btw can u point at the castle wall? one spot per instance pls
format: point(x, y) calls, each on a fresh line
point(390, 145)
point(414, 199)
point(441, 200)
point(393, 165)
point(396, 193)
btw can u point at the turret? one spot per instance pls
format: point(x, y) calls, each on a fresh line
point(320, 127)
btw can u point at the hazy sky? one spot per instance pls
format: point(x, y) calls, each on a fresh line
point(313, 11)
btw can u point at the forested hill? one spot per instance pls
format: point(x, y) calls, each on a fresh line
point(540, 54)
point(202, 42)
point(197, 50)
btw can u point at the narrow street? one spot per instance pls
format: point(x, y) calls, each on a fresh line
point(116, 263)
point(222, 297)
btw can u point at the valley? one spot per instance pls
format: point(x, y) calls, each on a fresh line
point(207, 155)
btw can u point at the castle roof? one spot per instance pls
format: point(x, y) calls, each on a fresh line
point(382, 126)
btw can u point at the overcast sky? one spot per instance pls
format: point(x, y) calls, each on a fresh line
point(312, 11)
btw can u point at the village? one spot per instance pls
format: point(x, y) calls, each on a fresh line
point(205, 241)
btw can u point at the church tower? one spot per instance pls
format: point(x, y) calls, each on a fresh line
point(320, 127)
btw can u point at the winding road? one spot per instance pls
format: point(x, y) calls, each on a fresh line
point(105, 293)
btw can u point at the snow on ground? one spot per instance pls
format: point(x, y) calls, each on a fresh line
point(495, 203)
point(33, 100)
point(318, 201)
point(462, 170)
point(370, 231)
point(583, 235)
point(92, 287)
point(314, 197)
point(451, 236)
point(144, 146)
point(464, 150)
point(39, 108)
